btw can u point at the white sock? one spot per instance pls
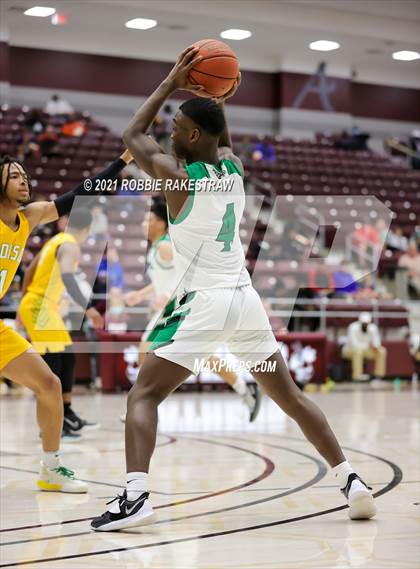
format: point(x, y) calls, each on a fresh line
point(51, 459)
point(137, 483)
point(240, 386)
point(341, 473)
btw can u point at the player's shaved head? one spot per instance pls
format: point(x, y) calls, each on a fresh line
point(206, 114)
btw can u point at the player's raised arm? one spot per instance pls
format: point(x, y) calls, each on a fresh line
point(45, 212)
point(144, 149)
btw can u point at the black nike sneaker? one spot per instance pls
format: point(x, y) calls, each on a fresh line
point(125, 514)
point(75, 423)
point(69, 436)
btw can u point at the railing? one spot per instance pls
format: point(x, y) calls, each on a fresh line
point(324, 309)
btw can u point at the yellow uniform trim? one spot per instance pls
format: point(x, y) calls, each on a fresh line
point(12, 345)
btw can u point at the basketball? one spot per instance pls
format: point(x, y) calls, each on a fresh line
point(218, 69)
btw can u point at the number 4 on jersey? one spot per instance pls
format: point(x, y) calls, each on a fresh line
point(227, 231)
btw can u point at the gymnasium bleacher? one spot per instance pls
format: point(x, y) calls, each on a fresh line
point(303, 169)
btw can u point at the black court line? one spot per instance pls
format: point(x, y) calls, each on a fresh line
point(396, 479)
point(269, 467)
point(321, 472)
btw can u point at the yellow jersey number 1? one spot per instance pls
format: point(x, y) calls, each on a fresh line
point(3, 275)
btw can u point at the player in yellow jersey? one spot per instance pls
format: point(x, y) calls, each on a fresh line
point(19, 361)
point(43, 286)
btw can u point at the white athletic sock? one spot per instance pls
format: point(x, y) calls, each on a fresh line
point(51, 459)
point(137, 483)
point(240, 386)
point(342, 472)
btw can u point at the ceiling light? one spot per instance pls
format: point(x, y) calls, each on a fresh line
point(141, 24)
point(40, 11)
point(234, 34)
point(324, 45)
point(405, 55)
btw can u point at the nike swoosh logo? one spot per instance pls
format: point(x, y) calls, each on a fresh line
point(73, 424)
point(135, 507)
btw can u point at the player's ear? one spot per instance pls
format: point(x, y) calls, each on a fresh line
point(195, 135)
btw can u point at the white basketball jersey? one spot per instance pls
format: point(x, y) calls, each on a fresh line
point(205, 235)
point(161, 273)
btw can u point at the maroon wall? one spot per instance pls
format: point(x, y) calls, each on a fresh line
point(381, 101)
point(4, 61)
point(118, 75)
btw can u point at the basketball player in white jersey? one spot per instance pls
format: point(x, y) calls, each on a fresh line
point(162, 273)
point(217, 303)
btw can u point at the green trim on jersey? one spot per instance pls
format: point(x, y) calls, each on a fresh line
point(231, 167)
point(165, 317)
point(186, 211)
point(197, 171)
point(161, 322)
point(165, 335)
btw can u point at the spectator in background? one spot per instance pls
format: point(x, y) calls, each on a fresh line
point(396, 240)
point(33, 127)
point(35, 123)
point(344, 281)
point(58, 106)
point(74, 127)
point(356, 140)
point(414, 145)
point(364, 343)
point(293, 242)
point(244, 149)
point(116, 317)
point(111, 266)
point(48, 142)
point(411, 261)
point(99, 227)
point(369, 288)
point(381, 229)
point(263, 151)
point(365, 239)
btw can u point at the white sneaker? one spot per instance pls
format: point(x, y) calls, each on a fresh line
point(125, 514)
point(359, 497)
point(60, 479)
